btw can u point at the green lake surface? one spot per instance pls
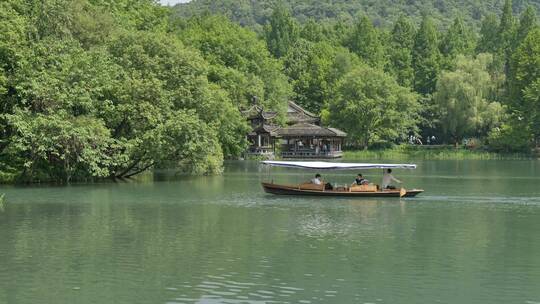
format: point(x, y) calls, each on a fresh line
point(472, 237)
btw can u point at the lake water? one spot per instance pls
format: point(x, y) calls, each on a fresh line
point(473, 237)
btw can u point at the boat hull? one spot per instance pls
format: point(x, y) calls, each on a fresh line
point(294, 190)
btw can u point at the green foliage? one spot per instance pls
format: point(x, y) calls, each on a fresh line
point(400, 51)
point(407, 152)
point(462, 99)
point(364, 41)
point(314, 70)
point(526, 87)
point(531, 98)
point(371, 107)
point(527, 62)
point(512, 136)
point(527, 22)
point(182, 141)
point(240, 62)
point(507, 28)
point(100, 89)
point(281, 31)
point(168, 77)
point(382, 12)
point(313, 31)
point(426, 57)
point(507, 36)
point(457, 40)
point(488, 42)
point(96, 88)
point(59, 146)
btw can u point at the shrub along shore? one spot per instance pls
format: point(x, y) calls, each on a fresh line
point(407, 152)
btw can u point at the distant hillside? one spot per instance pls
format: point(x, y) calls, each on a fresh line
point(254, 13)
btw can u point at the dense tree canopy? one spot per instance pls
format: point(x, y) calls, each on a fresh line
point(426, 57)
point(314, 70)
point(281, 31)
point(382, 12)
point(400, 51)
point(488, 42)
point(364, 40)
point(457, 40)
point(240, 62)
point(98, 88)
point(373, 108)
point(526, 102)
point(79, 103)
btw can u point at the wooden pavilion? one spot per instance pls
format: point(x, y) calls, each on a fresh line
point(262, 137)
point(303, 137)
point(304, 140)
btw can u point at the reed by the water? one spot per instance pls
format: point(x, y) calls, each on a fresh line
point(430, 153)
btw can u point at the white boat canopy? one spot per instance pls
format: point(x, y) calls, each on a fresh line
point(320, 165)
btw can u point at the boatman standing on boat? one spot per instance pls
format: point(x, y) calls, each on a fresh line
point(388, 178)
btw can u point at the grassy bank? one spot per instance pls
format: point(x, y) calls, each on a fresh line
point(429, 153)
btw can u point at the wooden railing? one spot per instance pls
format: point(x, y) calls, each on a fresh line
point(260, 151)
point(308, 153)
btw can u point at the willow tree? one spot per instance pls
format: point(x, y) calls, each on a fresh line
point(462, 99)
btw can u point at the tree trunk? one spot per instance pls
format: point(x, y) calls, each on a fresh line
point(140, 170)
point(456, 142)
point(130, 167)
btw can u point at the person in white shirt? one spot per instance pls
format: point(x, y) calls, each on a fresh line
point(388, 179)
point(317, 179)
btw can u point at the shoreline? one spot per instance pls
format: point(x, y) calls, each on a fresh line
point(433, 153)
point(402, 152)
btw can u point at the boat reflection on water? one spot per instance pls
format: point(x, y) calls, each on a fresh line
point(367, 215)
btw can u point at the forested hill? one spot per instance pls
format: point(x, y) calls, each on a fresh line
point(253, 13)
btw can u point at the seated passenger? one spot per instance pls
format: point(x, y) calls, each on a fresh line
point(318, 181)
point(360, 180)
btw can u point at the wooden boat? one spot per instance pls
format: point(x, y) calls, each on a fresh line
point(300, 190)
point(345, 191)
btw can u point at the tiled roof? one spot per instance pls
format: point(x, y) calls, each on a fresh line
point(270, 129)
point(268, 115)
point(252, 112)
point(296, 114)
point(306, 129)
